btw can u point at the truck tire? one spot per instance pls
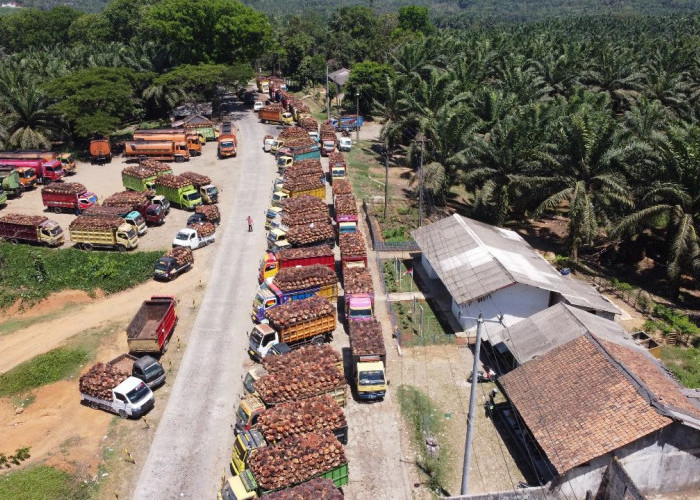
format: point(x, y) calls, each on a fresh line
point(56, 210)
point(45, 181)
point(86, 246)
point(123, 414)
point(121, 248)
point(318, 340)
point(14, 241)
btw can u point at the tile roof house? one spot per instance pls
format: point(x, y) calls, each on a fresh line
point(590, 399)
point(493, 271)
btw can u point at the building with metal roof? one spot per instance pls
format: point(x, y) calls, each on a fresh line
point(493, 271)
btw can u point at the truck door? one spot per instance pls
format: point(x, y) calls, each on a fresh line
point(267, 341)
point(120, 402)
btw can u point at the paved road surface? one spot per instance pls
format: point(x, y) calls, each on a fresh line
point(192, 445)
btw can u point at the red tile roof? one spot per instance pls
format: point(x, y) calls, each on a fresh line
point(578, 404)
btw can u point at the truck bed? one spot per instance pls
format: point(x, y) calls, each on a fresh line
point(308, 329)
point(145, 323)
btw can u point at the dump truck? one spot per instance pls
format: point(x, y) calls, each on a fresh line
point(281, 358)
point(345, 213)
point(100, 151)
point(108, 388)
point(271, 425)
point(294, 283)
point(337, 166)
point(151, 328)
point(208, 191)
point(156, 150)
point(235, 489)
point(144, 368)
point(10, 182)
point(131, 217)
point(175, 262)
point(141, 177)
point(16, 228)
point(294, 323)
point(195, 236)
point(292, 462)
point(179, 136)
point(368, 359)
point(272, 263)
point(227, 145)
point(68, 196)
point(359, 294)
point(178, 191)
point(96, 232)
point(128, 201)
point(275, 114)
point(46, 171)
point(27, 176)
point(353, 252)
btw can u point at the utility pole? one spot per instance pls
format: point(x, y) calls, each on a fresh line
point(386, 176)
point(357, 117)
point(420, 185)
point(328, 96)
point(472, 399)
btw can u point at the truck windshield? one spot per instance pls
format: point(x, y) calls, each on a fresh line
point(138, 219)
point(153, 371)
point(193, 197)
point(243, 419)
point(258, 302)
point(92, 199)
point(56, 231)
point(227, 493)
point(248, 383)
point(212, 191)
point(226, 144)
point(163, 265)
point(360, 313)
point(137, 394)
point(28, 173)
point(374, 377)
point(338, 172)
point(131, 234)
point(182, 236)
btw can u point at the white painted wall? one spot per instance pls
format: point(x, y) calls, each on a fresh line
point(515, 302)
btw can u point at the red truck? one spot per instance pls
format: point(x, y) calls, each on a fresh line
point(292, 257)
point(152, 326)
point(46, 171)
point(68, 196)
point(129, 201)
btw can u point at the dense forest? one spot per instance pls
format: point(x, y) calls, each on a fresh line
point(592, 117)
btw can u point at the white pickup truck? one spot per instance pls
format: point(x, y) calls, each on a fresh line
point(188, 237)
point(131, 398)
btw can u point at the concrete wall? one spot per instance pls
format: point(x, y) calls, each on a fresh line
point(537, 493)
point(665, 461)
point(618, 485)
point(428, 268)
point(579, 480)
point(516, 302)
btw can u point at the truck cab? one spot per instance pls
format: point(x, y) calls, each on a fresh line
point(209, 193)
point(136, 220)
point(189, 237)
point(275, 145)
point(269, 267)
point(241, 487)
point(154, 214)
point(344, 144)
point(359, 307)
point(260, 340)
point(371, 380)
point(286, 118)
point(51, 234)
point(246, 442)
point(327, 147)
point(277, 239)
point(284, 161)
point(150, 371)
point(278, 197)
point(126, 236)
point(27, 176)
point(163, 202)
point(270, 215)
point(347, 226)
point(67, 162)
point(314, 135)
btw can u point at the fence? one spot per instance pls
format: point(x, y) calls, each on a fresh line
point(378, 243)
point(390, 309)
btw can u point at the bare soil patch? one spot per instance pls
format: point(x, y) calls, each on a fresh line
point(52, 303)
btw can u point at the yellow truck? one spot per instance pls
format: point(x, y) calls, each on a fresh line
point(92, 232)
point(368, 359)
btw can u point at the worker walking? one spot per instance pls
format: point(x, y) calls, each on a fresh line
point(250, 224)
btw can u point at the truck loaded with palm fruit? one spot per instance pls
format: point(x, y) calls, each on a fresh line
point(71, 196)
point(129, 201)
point(359, 294)
point(272, 263)
point(176, 261)
point(353, 252)
point(202, 183)
point(368, 359)
point(142, 177)
point(97, 232)
point(178, 190)
point(18, 228)
point(294, 323)
point(294, 283)
point(131, 217)
point(109, 388)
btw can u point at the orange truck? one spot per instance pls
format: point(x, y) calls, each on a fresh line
point(179, 136)
point(100, 151)
point(156, 150)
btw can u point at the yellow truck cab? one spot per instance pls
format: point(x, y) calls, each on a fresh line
point(275, 145)
point(371, 380)
point(249, 381)
point(245, 443)
point(278, 197)
point(287, 118)
point(67, 162)
point(270, 215)
point(277, 240)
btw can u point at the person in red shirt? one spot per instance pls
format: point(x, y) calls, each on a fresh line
point(250, 224)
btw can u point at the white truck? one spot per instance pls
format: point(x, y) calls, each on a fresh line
point(189, 237)
point(344, 144)
point(131, 398)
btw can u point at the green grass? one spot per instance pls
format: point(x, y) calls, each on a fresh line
point(44, 369)
point(432, 331)
point(359, 161)
point(424, 418)
point(41, 483)
point(684, 364)
point(30, 274)
point(401, 282)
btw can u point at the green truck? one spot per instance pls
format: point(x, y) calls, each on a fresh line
point(140, 178)
point(9, 181)
point(178, 191)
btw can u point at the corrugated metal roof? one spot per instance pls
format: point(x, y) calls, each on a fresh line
point(554, 326)
point(340, 76)
point(474, 259)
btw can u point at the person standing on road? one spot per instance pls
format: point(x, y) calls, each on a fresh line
point(250, 224)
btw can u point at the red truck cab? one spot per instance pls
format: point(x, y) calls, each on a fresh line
point(51, 171)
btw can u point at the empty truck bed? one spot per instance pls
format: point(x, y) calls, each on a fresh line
point(147, 320)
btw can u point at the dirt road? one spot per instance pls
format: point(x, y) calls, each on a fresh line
point(193, 442)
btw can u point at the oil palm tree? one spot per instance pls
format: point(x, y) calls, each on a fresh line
point(24, 115)
point(673, 201)
point(589, 179)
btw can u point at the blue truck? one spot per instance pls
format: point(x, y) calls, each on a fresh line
point(286, 158)
point(347, 122)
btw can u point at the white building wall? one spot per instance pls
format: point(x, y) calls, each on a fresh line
point(428, 268)
point(515, 302)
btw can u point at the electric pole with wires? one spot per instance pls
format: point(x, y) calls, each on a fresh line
point(386, 177)
point(420, 182)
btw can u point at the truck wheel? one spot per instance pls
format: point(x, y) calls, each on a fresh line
point(121, 248)
point(123, 414)
point(87, 246)
point(317, 340)
point(45, 181)
point(56, 210)
point(14, 241)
